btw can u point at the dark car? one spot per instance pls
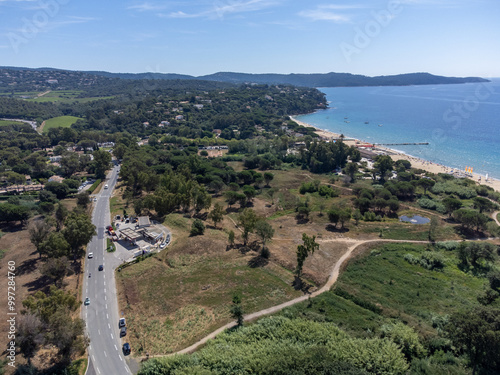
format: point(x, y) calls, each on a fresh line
point(121, 322)
point(123, 331)
point(126, 348)
point(101, 267)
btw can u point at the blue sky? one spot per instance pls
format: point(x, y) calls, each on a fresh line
point(372, 37)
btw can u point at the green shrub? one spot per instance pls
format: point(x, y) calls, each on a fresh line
point(197, 228)
point(447, 245)
point(94, 186)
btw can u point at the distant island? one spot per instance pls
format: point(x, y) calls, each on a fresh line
point(305, 80)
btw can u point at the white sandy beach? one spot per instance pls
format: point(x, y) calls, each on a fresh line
point(397, 155)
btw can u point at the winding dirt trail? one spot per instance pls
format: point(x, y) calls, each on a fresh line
point(494, 216)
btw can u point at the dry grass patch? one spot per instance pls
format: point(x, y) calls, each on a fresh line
point(186, 293)
point(18, 249)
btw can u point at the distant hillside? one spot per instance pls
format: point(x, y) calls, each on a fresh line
point(339, 79)
point(15, 76)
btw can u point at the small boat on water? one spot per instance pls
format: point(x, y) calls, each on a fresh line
point(367, 122)
point(380, 125)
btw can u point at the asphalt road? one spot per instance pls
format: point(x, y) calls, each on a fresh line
point(101, 316)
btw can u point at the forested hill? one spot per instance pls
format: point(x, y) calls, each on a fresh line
point(340, 79)
point(16, 78)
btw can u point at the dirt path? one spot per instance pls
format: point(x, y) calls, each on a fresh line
point(43, 93)
point(494, 216)
point(40, 130)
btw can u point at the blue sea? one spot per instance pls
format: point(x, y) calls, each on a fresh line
point(460, 122)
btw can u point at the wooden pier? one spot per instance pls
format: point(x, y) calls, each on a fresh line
point(402, 144)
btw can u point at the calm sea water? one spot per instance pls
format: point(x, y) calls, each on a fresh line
point(461, 122)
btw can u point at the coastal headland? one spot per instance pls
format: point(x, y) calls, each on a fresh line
point(397, 155)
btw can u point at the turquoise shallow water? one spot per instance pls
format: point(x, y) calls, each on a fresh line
point(461, 122)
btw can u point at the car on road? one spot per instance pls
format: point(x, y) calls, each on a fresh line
point(126, 348)
point(123, 332)
point(101, 267)
point(106, 186)
point(121, 322)
point(91, 255)
point(95, 199)
point(87, 301)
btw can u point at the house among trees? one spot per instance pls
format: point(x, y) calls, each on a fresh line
point(56, 179)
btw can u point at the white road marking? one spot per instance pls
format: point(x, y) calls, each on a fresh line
point(109, 326)
point(112, 337)
point(121, 359)
point(104, 282)
point(104, 290)
point(99, 332)
point(106, 306)
point(107, 316)
point(93, 358)
point(116, 347)
point(99, 371)
point(105, 354)
point(105, 298)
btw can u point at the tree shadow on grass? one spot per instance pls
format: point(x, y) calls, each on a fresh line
point(299, 284)
point(258, 261)
point(334, 229)
point(43, 284)
point(244, 249)
point(28, 266)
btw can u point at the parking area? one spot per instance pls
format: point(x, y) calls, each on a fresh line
point(138, 236)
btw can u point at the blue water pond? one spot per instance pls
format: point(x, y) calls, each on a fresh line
point(414, 219)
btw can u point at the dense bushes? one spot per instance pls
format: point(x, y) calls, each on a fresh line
point(430, 204)
point(278, 345)
point(428, 259)
point(315, 186)
point(452, 187)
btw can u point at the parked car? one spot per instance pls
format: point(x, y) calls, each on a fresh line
point(126, 348)
point(121, 322)
point(123, 332)
point(91, 255)
point(87, 301)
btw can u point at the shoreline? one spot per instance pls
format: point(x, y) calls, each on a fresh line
point(399, 155)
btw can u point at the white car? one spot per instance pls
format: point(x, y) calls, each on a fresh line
point(91, 255)
point(105, 186)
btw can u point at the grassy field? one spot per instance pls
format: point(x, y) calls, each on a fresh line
point(384, 279)
point(5, 123)
point(410, 292)
point(66, 96)
point(58, 122)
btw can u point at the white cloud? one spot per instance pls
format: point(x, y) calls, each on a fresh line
point(146, 6)
point(223, 7)
point(322, 15)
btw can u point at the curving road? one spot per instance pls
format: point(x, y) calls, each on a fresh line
point(101, 316)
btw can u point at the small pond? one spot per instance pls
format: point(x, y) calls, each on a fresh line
point(414, 219)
